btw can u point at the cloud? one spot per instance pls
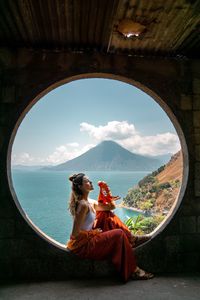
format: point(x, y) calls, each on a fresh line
point(152, 145)
point(114, 130)
point(67, 152)
point(61, 154)
point(22, 158)
point(73, 144)
point(128, 137)
point(123, 133)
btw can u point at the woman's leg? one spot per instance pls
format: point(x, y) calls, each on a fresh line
point(113, 245)
point(107, 220)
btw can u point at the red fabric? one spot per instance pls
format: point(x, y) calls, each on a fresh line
point(112, 244)
point(107, 220)
point(105, 195)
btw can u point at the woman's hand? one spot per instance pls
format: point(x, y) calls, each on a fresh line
point(98, 230)
point(105, 207)
point(114, 198)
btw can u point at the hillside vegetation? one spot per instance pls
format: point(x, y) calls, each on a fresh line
point(155, 194)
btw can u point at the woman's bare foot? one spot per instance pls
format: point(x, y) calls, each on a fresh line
point(140, 274)
point(139, 239)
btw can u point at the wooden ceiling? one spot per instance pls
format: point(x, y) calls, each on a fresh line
point(173, 26)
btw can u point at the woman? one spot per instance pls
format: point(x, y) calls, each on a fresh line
point(87, 242)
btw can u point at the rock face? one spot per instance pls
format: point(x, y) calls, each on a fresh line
point(158, 191)
point(109, 156)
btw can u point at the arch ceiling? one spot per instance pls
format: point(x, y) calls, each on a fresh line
point(172, 27)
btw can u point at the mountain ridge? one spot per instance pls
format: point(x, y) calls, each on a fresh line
point(109, 156)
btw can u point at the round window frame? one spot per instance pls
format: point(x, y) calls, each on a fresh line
point(126, 80)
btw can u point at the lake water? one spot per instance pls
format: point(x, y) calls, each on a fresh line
point(44, 196)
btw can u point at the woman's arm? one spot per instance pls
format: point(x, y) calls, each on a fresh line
point(79, 218)
point(102, 207)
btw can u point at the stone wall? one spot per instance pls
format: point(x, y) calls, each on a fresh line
point(25, 76)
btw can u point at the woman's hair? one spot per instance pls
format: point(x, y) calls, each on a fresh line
point(76, 194)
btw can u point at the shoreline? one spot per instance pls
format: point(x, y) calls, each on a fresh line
point(130, 208)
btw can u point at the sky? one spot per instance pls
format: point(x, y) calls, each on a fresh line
point(78, 115)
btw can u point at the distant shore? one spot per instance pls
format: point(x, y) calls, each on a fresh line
point(131, 208)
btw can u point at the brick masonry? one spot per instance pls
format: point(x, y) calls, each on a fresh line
point(26, 75)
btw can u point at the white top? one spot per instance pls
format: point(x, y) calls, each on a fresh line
point(89, 219)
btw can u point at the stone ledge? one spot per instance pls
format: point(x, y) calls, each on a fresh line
point(57, 268)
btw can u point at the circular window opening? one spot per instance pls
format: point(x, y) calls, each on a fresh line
point(110, 130)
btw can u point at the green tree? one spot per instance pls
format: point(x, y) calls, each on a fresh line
point(143, 225)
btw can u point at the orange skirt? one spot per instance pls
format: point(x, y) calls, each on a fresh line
point(107, 220)
point(112, 245)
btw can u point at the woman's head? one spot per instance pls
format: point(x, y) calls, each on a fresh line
point(81, 185)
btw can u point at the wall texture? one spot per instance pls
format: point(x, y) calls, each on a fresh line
point(25, 75)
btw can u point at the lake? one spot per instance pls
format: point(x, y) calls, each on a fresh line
point(44, 196)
